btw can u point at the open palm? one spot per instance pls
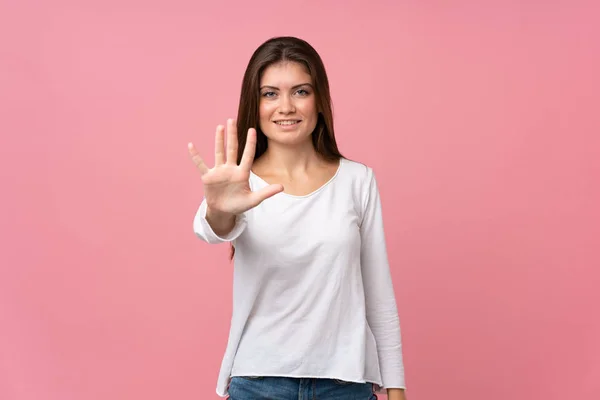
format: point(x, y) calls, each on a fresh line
point(226, 185)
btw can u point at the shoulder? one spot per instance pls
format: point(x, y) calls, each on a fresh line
point(358, 172)
point(363, 186)
point(359, 180)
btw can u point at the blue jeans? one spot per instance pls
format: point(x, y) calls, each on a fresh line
point(279, 388)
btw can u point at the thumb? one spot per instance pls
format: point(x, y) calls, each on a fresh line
point(261, 195)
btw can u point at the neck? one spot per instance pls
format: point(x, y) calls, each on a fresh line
point(290, 160)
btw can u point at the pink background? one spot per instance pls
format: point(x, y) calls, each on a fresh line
point(481, 120)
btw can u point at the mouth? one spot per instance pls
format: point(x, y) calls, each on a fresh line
point(288, 122)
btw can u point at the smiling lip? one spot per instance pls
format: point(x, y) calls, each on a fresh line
point(287, 125)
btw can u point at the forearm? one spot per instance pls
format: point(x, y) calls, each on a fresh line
point(396, 394)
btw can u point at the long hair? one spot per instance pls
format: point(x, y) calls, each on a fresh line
point(273, 51)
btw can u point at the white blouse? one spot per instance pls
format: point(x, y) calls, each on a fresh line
point(312, 289)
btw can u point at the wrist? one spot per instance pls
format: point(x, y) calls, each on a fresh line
point(221, 223)
point(396, 394)
point(218, 215)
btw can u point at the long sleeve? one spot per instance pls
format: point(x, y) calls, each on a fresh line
point(381, 308)
point(204, 231)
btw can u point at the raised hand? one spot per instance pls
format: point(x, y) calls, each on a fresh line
point(226, 188)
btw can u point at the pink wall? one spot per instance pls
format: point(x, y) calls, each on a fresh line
point(481, 121)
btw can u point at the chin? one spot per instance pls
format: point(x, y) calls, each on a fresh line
point(288, 138)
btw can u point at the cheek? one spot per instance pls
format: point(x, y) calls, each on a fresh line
point(308, 105)
point(261, 111)
point(310, 109)
point(264, 117)
point(265, 111)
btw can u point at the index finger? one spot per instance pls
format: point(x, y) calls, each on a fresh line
point(232, 142)
point(249, 150)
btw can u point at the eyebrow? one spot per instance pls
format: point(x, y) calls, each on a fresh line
point(293, 87)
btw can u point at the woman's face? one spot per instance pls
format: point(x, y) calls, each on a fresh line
point(287, 108)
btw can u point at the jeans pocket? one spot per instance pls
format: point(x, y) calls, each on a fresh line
point(252, 378)
point(342, 383)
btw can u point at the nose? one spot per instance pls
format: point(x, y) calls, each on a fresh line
point(286, 105)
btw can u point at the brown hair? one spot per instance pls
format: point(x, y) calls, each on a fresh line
point(275, 50)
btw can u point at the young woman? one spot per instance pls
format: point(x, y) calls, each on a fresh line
point(314, 312)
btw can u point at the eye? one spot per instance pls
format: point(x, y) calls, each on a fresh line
point(303, 92)
point(268, 94)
